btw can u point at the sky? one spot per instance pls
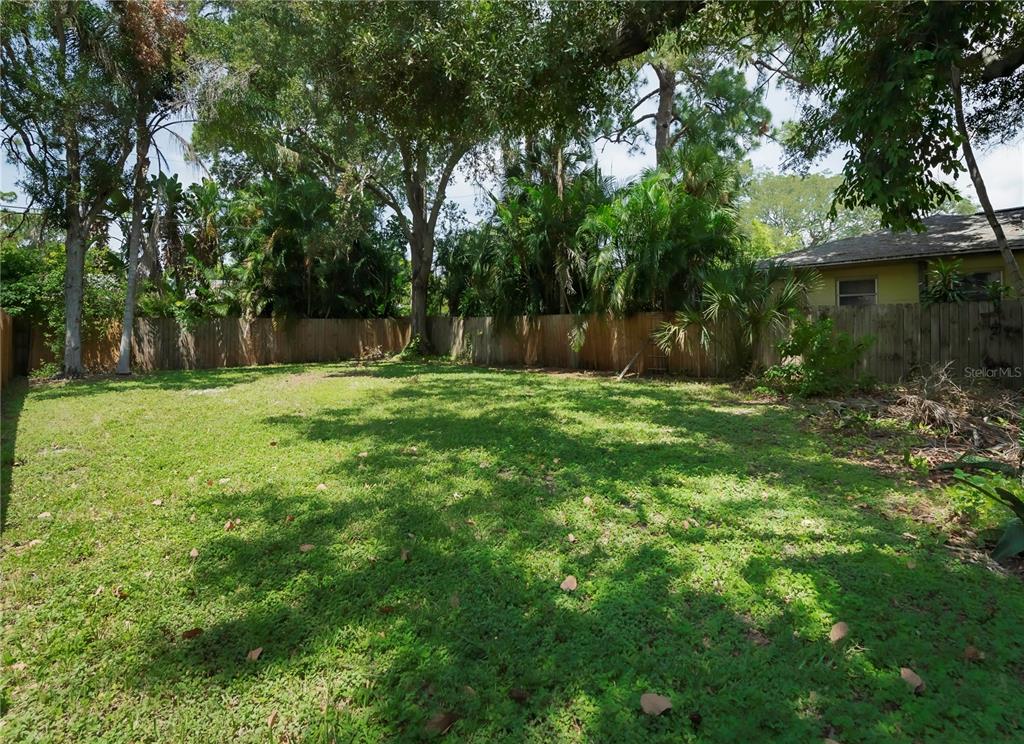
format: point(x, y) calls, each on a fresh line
point(1002, 167)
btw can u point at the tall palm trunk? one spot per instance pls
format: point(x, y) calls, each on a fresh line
point(124, 362)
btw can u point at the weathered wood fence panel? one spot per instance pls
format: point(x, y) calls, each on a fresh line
point(977, 339)
point(6, 349)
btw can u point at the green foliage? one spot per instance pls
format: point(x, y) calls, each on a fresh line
point(33, 286)
point(818, 360)
point(944, 282)
point(737, 306)
point(880, 79)
point(1010, 494)
point(654, 240)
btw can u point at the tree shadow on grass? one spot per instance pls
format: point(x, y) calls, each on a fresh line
point(195, 379)
point(729, 616)
point(13, 401)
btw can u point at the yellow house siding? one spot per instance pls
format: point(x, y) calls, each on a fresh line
point(896, 281)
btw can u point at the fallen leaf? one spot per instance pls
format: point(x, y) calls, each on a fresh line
point(911, 565)
point(363, 454)
point(194, 553)
point(209, 482)
point(229, 525)
point(158, 502)
point(33, 543)
point(971, 653)
point(272, 720)
point(385, 609)
point(838, 632)
point(519, 695)
point(469, 691)
point(695, 720)
point(98, 592)
point(405, 555)
point(653, 704)
point(306, 547)
point(191, 633)
point(411, 450)
point(119, 592)
point(273, 443)
point(454, 600)
point(912, 679)
point(587, 501)
point(19, 666)
point(289, 518)
point(569, 584)
point(222, 481)
point(45, 515)
point(439, 723)
point(321, 487)
point(571, 537)
point(254, 655)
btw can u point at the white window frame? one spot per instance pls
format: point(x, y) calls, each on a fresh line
point(874, 293)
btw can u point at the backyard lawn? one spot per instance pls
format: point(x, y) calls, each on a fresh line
point(375, 553)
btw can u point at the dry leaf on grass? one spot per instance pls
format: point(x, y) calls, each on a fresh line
point(571, 538)
point(454, 600)
point(19, 666)
point(306, 547)
point(222, 481)
point(158, 502)
point(273, 442)
point(272, 719)
point(33, 543)
point(119, 592)
point(321, 487)
point(45, 515)
point(519, 695)
point(569, 584)
point(254, 655)
point(363, 454)
point(587, 501)
point(229, 525)
point(971, 653)
point(405, 555)
point(912, 679)
point(654, 704)
point(289, 518)
point(191, 633)
point(194, 553)
point(838, 632)
point(439, 723)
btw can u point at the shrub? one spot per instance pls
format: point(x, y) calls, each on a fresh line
point(1010, 494)
point(818, 360)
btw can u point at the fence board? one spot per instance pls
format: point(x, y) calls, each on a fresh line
point(909, 338)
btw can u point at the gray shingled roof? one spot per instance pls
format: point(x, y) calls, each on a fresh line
point(945, 235)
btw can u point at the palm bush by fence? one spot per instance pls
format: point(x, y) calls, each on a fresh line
point(979, 339)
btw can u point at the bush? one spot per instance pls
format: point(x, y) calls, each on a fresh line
point(818, 360)
point(1010, 493)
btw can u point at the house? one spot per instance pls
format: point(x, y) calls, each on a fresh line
point(883, 267)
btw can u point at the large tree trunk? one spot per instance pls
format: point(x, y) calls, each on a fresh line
point(124, 362)
point(74, 273)
point(1013, 270)
point(663, 116)
point(421, 247)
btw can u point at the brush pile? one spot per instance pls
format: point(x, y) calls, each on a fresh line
point(960, 425)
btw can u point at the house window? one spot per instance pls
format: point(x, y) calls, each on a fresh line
point(976, 286)
point(857, 291)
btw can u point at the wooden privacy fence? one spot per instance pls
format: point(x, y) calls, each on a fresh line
point(976, 339)
point(6, 349)
point(979, 339)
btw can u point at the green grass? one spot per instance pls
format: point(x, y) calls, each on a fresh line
point(716, 544)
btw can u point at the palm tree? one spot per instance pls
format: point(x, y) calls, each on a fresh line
point(736, 310)
point(656, 238)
